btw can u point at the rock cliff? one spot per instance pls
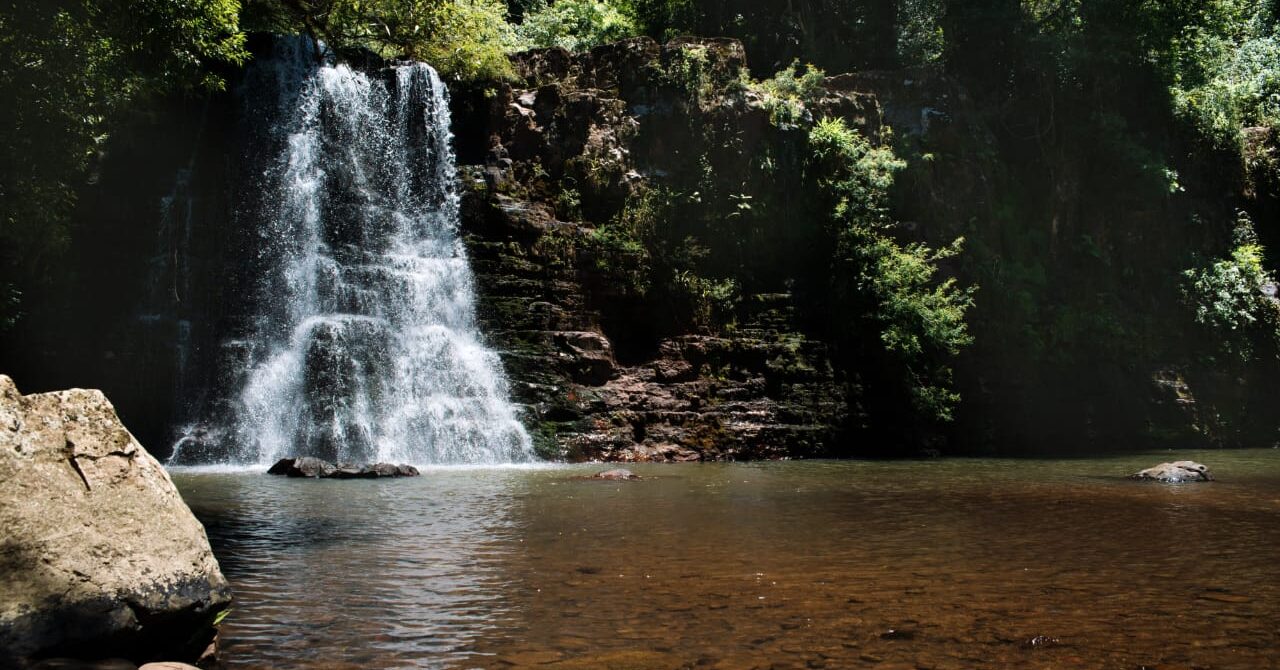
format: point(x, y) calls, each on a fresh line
point(605, 371)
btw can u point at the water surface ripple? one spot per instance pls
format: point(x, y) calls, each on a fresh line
point(931, 564)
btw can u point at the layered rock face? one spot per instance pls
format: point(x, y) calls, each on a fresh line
point(602, 374)
point(100, 557)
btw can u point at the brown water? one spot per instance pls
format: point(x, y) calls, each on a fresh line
point(927, 564)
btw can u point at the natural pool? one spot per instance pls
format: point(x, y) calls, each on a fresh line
point(954, 563)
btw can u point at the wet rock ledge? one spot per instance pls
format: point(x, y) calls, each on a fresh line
point(99, 556)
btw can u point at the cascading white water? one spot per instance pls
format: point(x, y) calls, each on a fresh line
point(362, 344)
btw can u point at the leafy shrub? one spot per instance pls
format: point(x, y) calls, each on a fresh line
point(1234, 298)
point(688, 71)
point(786, 93)
point(921, 40)
point(1230, 78)
point(802, 84)
point(467, 39)
point(710, 301)
point(883, 285)
point(569, 204)
point(464, 39)
point(641, 252)
point(576, 25)
point(622, 248)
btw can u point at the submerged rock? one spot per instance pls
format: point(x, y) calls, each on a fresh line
point(616, 475)
point(1176, 472)
point(309, 466)
point(100, 555)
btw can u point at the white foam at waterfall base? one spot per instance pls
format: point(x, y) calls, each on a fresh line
point(365, 345)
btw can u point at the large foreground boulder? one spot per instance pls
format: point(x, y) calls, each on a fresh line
point(1176, 472)
point(99, 556)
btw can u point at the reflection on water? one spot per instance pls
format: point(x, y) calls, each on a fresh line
point(939, 564)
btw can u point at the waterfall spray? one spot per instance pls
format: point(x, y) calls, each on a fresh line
point(362, 342)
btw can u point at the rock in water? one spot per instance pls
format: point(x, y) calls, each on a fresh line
point(381, 470)
point(1176, 472)
point(346, 471)
point(282, 466)
point(99, 555)
point(307, 466)
point(616, 475)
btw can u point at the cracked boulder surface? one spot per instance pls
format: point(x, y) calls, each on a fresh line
point(99, 555)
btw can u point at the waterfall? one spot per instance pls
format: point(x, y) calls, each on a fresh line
point(361, 341)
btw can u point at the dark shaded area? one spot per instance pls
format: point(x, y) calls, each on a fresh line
point(140, 627)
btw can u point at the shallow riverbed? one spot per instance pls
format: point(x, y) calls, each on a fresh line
point(954, 563)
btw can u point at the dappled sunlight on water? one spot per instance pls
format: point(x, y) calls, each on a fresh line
point(940, 564)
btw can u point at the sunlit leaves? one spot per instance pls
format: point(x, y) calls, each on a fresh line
point(1235, 297)
point(893, 285)
point(576, 24)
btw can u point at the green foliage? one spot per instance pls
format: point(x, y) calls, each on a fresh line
point(464, 39)
point(622, 249)
point(855, 173)
point(884, 285)
point(576, 25)
point(710, 301)
point(1234, 298)
point(794, 82)
point(1229, 75)
point(688, 70)
point(639, 250)
point(569, 204)
point(785, 94)
point(921, 40)
point(69, 70)
point(920, 313)
point(1217, 61)
point(220, 616)
point(838, 35)
point(665, 19)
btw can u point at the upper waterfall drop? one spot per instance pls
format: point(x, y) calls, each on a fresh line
point(361, 344)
